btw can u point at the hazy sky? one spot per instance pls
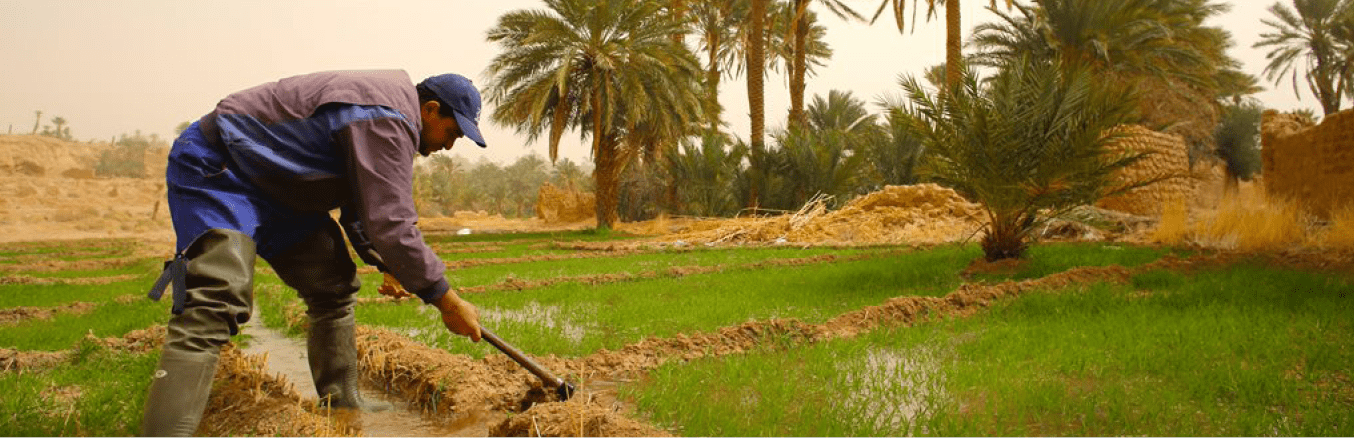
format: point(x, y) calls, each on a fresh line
point(112, 67)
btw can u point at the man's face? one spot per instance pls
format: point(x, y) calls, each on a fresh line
point(439, 132)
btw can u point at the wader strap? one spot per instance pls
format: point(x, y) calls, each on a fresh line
point(176, 272)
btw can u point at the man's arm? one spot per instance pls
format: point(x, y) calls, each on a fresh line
point(382, 172)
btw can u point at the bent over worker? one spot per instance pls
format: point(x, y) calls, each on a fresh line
point(259, 176)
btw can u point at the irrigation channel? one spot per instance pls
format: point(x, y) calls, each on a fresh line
point(286, 358)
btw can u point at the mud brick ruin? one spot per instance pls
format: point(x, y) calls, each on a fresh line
point(1313, 165)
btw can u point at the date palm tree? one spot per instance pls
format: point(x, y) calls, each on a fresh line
point(608, 68)
point(708, 168)
point(1027, 147)
point(718, 25)
point(756, 65)
point(1161, 46)
point(800, 26)
point(1307, 41)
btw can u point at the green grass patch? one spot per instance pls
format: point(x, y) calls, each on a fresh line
point(40, 295)
point(577, 319)
point(872, 385)
point(98, 393)
point(1051, 258)
point(69, 250)
point(1239, 351)
point(149, 267)
point(571, 236)
point(112, 319)
point(634, 264)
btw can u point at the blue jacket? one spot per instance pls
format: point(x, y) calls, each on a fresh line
point(341, 139)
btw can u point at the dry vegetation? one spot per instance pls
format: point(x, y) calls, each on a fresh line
point(1248, 220)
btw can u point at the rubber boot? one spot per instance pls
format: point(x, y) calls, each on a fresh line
point(323, 273)
point(332, 351)
point(219, 280)
point(178, 394)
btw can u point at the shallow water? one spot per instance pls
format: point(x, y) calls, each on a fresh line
point(286, 358)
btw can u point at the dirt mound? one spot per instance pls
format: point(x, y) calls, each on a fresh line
point(83, 281)
point(12, 360)
point(913, 214)
point(136, 341)
point(38, 155)
point(554, 204)
point(14, 315)
point(445, 382)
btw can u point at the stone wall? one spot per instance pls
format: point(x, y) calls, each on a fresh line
point(1312, 166)
point(1169, 157)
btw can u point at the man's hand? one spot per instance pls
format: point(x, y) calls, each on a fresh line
point(392, 288)
point(460, 316)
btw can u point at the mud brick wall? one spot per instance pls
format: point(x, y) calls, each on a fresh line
point(1168, 157)
point(1313, 166)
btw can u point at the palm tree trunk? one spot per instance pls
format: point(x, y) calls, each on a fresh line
point(604, 162)
point(608, 183)
point(954, 42)
point(800, 31)
point(712, 108)
point(756, 62)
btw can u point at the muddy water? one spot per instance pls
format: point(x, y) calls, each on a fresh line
point(286, 357)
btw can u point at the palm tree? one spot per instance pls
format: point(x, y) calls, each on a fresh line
point(59, 122)
point(756, 64)
point(1160, 46)
point(954, 40)
point(707, 168)
point(718, 26)
point(840, 111)
point(1027, 147)
point(568, 175)
point(799, 31)
point(827, 154)
point(1305, 41)
point(609, 68)
point(779, 31)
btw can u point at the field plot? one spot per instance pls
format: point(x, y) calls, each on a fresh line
point(669, 338)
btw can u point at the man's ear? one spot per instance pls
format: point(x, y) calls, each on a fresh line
point(430, 108)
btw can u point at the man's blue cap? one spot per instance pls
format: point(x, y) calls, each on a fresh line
point(457, 91)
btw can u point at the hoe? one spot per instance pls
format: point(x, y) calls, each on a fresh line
point(564, 389)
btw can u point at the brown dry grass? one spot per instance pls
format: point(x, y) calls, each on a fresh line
point(246, 400)
point(1248, 220)
point(1340, 232)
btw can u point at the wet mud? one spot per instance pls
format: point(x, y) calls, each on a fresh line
point(285, 358)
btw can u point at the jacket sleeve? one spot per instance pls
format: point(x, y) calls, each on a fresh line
point(382, 173)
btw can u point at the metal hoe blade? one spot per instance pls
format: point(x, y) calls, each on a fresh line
point(562, 388)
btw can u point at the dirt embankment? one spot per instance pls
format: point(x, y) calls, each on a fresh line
point(49, 191)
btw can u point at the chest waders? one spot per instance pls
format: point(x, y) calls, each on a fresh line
point(222, 222)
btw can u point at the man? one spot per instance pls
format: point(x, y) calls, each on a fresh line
point(259, 176)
